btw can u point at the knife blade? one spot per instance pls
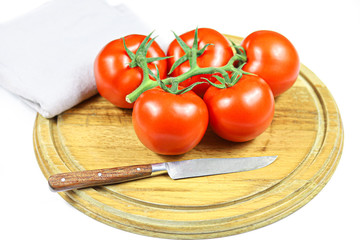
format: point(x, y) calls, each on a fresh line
point(176, 170)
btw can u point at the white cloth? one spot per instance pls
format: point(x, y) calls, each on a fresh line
point(47, 55)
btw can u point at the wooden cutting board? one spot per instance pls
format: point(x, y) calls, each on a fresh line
point(306, 134)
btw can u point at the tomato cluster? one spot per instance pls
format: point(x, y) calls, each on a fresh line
point(204, 80)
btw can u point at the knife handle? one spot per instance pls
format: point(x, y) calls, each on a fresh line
point(91, 178)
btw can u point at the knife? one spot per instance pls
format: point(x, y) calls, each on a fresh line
point(176, 170)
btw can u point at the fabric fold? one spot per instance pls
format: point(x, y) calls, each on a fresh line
point(47, 55)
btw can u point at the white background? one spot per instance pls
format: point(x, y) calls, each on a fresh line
point(327, 37)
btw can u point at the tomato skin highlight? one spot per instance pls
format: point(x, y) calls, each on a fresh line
point(216, 55)
point(169, 124)
point(113, 75)
point(273, 58)
point(242, 112)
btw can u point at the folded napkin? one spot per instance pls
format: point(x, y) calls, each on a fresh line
point(47, 55)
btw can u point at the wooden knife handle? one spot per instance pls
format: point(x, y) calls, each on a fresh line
point(91, 178)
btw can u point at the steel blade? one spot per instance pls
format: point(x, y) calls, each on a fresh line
point(214, 166)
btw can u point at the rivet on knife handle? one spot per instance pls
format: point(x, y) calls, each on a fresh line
point(91, 178)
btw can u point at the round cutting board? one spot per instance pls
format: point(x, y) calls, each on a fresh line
point(306, 134)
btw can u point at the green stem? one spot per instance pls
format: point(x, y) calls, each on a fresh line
point(195, 70)
point(142, 62)
point(144, 86)
point(148, 83)
point(192, 58)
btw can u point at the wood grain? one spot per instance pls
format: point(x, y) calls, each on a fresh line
point(306, 134)
point(97, 177)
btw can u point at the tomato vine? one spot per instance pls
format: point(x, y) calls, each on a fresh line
point(234, 67)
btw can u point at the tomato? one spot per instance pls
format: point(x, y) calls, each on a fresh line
point(216, 55)
point(114, 77)
point(241, 112)
point(273, 58)
point(167, 123)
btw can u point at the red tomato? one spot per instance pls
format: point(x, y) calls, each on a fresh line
point(273, 58)
point(114, 78)
point(167, 123)
point(241, 112)
point(216, 55)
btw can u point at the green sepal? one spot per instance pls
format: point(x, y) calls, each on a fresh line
point(130, 53)
point(140, 52)
point(243, 72)
point(249, 73)
point(182, 44)
point(195, 43)
point(189, 88)
point(238, 48)
point(240, 51)
point(224, 82)
point(147, 46)
point(178, 63)
point(149, 60)
point(235, 78)
point(238, 73)
point(232, 43)
point(153, 59)
point(201, 51)
point(162, 85)
point(221, 85)
point(158, 80)
point(174, 89)
point(174, 84)
point(151, 72)
point(143, 46)
point(157, 73)
point(188, 50)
